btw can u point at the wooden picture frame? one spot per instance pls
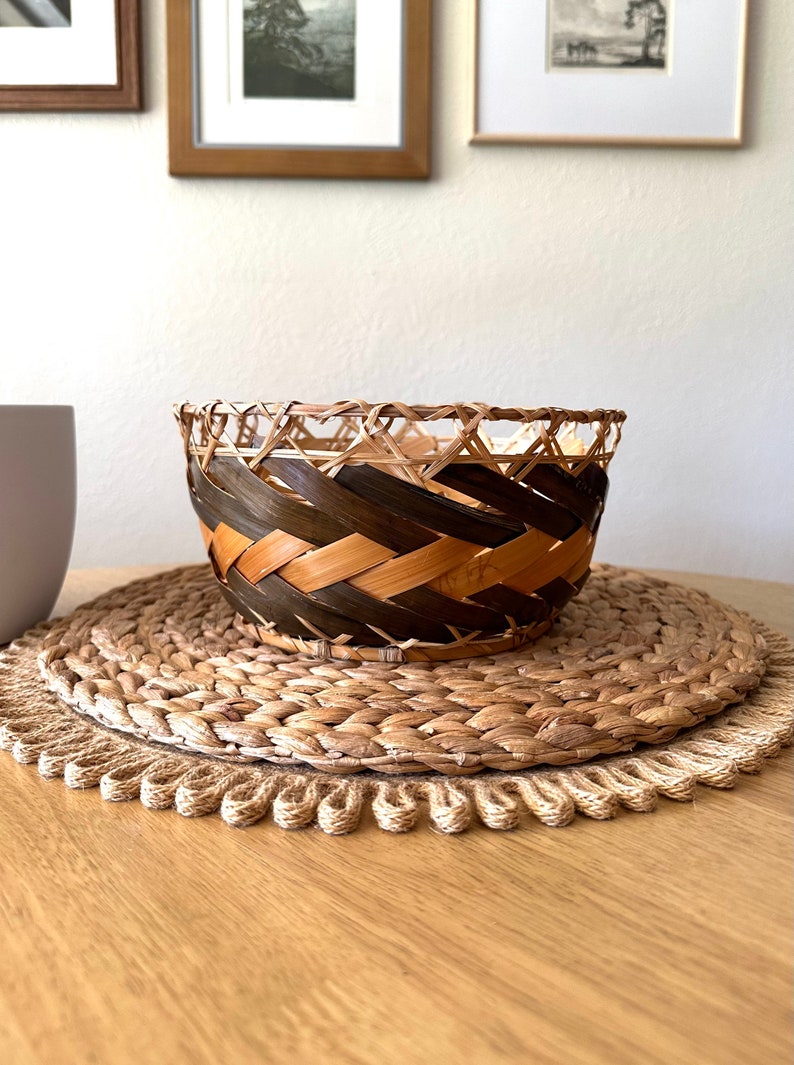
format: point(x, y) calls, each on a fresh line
point(546, 74)
point(122, 94)
point(194, 152)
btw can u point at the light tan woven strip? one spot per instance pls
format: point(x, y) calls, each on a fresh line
point(493, 565)
point(568, 554)
point(336, 562)
point(582, 564)
point(407, 571)
point(36, 727)
point(228, 545)
point(269, 554)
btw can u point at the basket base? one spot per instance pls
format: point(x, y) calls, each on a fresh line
point(408, 651)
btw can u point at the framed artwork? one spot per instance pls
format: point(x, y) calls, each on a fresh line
point(645, 72)
point(299, 88)
point(70, 55)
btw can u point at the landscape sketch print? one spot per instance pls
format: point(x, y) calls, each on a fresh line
point(303, 49)
point(628, 35)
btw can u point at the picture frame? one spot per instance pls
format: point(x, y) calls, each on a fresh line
point(546, 72)
point(338, 104)
point(85, 56)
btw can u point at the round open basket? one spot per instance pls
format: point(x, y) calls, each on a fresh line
point(397, 533)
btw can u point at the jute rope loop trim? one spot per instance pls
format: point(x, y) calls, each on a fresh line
point(37, 728)
point(632, 660)
point(386, 532)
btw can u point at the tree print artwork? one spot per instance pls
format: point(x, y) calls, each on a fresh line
point(303, 49)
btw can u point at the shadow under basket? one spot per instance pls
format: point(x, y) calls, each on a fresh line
point(385, 532)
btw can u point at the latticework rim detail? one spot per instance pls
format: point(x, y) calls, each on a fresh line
point(376, 433)
point(358, 408)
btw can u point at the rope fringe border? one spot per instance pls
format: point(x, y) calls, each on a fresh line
point(37, 728)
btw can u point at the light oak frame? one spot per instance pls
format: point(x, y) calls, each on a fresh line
point(736, 139)
point(411, 160)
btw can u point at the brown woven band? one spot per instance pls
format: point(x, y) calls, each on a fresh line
point(380, 540)
point(445, 516)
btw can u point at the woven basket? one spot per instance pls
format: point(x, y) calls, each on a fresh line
point(383, 532)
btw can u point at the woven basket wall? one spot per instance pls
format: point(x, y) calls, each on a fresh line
point(388, 532)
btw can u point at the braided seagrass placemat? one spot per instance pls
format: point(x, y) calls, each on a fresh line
point(217, 722)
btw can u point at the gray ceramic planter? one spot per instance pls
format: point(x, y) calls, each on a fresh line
point(38, 492)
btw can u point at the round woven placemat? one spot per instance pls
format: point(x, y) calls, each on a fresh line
point(632, 660)
point(132, 640)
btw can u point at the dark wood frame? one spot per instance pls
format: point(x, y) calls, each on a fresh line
point(409, 161)
point(125, 95)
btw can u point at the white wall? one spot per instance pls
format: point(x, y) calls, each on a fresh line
point(658, 280)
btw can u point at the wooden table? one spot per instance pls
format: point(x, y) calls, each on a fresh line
point(135, 936)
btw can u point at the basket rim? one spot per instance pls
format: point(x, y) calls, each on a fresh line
point(358, 408)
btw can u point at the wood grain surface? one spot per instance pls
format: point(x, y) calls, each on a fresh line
point(135, 936)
